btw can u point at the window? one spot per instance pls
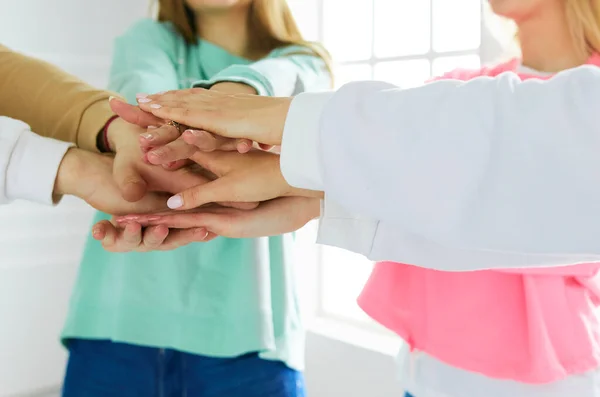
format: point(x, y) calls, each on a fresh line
point(404, 42)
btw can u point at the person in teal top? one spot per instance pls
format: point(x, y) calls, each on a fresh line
point(210, 319)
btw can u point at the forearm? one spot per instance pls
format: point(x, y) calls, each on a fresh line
point(54, 103)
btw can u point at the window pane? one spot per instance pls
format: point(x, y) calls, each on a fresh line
point(446, 64)
point(456, 25)
point(306, 15)
point(348, 29)
point(402, 27)
point(344, 276)
point(405, 74)
point(347, 73)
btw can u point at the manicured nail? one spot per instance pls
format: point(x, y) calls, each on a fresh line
point(110, 98)
point(155, 106)
point(144, 100)
point(193, 132)
point(150, 127)
point(161, 93)
point(153, 218)
point(141, 95)
point(96, 232)
point(147, 136)
point(175, 202)
point(205, 234)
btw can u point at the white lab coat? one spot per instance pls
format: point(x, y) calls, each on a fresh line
point(492, 172)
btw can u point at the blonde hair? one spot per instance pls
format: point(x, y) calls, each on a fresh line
point(583, 17)
point(271, 26)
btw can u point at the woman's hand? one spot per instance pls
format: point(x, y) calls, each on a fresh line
point(89, 176)
point(132, 237)
point(250, 177)
point(271, 218)
point(257, 118)
point(133, 176)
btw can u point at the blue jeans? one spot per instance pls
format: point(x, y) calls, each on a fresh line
point(108, 369)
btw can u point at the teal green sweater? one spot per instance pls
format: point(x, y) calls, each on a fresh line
point(222, 298)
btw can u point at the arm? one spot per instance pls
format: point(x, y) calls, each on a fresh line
point(28, 163)
point(52, 102)
point(502, 165)
point(144, 60)
point(285, 72)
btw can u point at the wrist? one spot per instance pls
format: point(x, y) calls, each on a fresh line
point(113, 133)
point(67, 180)
point(277, 120)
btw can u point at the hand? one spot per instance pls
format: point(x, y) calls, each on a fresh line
point(89, 176)
point(271, 218)
point(166, 145)
point(133, 176)
point(131, 237)
point(250, 177)
point(257, 118)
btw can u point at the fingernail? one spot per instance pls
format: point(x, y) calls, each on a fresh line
point(144, 100)
point(110, 98)
point(155, 106)
point(147, 136)
point(153, 218)
point(175, 202)
point(244, 147)
point(161, 93)
point(157, 153)
point(151, 127)
point(193, 132)
point(205, 235)
point(96, 232)
point(141, 95)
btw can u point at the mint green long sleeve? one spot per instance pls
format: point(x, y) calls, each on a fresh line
point(223, 298)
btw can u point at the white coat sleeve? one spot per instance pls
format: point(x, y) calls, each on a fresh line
point(28, 163)
point(496, 166)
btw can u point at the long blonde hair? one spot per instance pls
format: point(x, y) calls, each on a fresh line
point(271, 26)
point(583, 17)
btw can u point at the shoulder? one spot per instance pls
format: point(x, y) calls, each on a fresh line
point(290, 50)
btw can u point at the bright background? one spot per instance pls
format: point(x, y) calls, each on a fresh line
point(401, 41)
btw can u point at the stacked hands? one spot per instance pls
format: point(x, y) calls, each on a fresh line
point(192, 165)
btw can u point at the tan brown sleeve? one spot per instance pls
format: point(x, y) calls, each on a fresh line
point(54, 103)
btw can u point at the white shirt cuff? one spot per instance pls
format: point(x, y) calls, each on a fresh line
point(300, 160)
point(33, 167)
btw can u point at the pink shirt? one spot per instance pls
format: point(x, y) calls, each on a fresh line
point(530, 325)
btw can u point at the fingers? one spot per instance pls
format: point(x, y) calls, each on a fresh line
point(180, 237)
point(133, 114)
point(208, 142)
point(171, 152)
point(159, 136)
point(216, 191)
point(154, 236)
point(181, 112)
point(102, 229)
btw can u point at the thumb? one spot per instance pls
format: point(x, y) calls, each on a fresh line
point(129, 181)
point(133, 114)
